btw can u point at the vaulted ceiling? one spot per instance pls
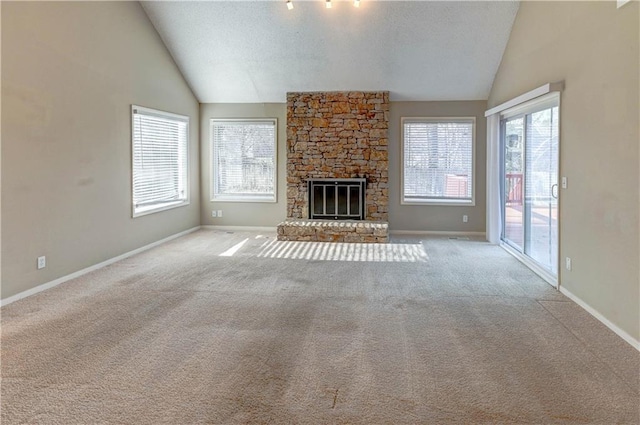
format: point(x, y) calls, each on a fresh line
point(256, 51)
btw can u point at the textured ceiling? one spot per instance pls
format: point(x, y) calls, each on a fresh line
point(256, 51)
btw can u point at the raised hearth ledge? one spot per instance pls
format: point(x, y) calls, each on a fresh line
point(334, 231)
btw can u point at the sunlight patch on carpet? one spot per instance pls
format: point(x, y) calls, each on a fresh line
point(338, 251)
point(229, 252)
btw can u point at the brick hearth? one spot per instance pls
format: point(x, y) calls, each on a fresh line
point(333, 231)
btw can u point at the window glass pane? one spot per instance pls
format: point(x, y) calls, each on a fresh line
point(160, 143)
point(513, 182)
point(541, 162)
point(438, 160)
point(244, 160)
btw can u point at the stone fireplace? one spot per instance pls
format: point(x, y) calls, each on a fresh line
point(339, 137)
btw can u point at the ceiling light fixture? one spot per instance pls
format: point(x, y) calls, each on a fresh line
point(327, 4)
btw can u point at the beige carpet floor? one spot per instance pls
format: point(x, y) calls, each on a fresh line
point(233, 328)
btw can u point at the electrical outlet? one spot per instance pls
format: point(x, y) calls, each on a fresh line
point(214, 213)
point(465, 218)
point(219, 213)
point(567, 263)
point(42, 262)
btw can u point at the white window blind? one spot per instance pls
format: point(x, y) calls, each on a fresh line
point(160, 160)
point(437, 161)
point(244, 160)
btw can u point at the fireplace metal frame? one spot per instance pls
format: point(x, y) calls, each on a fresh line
point(359, 184)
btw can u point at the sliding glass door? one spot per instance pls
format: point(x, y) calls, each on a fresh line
point(530, 149)
point(513, 152)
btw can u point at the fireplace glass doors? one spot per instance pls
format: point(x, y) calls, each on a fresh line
point(336, 199)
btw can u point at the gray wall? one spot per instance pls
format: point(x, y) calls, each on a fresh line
point(243, 213)
point(594, 48)
point(70, 72)
point(401, 217)
point(437, 217)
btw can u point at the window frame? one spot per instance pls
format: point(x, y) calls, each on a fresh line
point(437, 201)
point(168, 205)
point(272, 198)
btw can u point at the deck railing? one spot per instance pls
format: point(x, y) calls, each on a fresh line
point(513, 188)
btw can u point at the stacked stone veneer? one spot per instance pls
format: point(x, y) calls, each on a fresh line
point(338, 135)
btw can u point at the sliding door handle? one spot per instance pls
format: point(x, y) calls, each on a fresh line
point(554, 190)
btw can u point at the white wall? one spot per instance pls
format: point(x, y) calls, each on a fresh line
point(594, 48)
point(437, 217)
point(243, 213)
point(70, 72)
point(401, 217)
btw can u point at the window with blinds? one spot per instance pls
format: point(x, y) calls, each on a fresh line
point(437, 160)
point(243, 160)
point(160, 160)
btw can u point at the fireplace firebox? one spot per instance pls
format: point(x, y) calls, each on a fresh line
point(337, 199)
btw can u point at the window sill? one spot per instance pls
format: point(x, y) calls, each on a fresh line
point(436, 202)
point(154, 209)
point(247, 199)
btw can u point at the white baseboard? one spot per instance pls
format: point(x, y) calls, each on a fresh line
point(434, 233)
point(622, 334)
point(241, 228)
point(56, 282)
